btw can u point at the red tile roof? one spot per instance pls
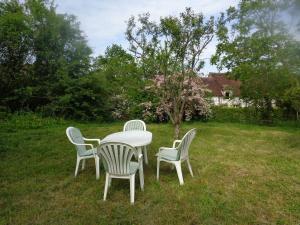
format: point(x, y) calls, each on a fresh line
point(218, 82)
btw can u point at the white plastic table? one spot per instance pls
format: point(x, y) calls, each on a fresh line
point(135, 138)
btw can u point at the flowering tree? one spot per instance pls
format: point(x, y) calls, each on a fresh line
point(172, 48)
point(180, 100)
point(120, 107)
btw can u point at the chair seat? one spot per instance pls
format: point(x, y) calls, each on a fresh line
point(168, 154)
point(88, 152)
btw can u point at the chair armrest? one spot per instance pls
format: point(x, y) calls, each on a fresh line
point(165, 148)
point(84, 145)
point(175, 142)
point(94, 152)
point(92, 139)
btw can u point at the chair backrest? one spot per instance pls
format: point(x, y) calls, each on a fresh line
point(116, 157)
point(183, 147)
point(134, 125)
point(75, 137)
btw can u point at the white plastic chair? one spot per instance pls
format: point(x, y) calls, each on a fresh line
point(117, 162)
point(78, 140)
point(137, 125)
point(134, 125)
point(176, 155)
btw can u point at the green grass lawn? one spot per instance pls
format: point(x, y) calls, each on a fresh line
point(244, 174)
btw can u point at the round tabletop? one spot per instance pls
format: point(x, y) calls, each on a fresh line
point(135, 138)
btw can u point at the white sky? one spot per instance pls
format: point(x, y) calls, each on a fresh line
point(104, 21)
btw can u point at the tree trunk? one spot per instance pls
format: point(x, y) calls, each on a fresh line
point(269, 110)
point(176, 131)
point(297, 115)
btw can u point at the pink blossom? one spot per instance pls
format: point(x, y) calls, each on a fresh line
point(189, 89)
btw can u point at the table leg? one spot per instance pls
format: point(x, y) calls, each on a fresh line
point(145, 154)
point(141, 169)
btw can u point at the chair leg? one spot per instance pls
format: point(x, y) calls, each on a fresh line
point(179, 172)
point(109, 182)
point(97, 162)
point(141, 175)
point(77, 165)
point(106, 186)
point(145, 154)
point(83, 164)
point(157, 170)
point(190, 167)
point(132, 186)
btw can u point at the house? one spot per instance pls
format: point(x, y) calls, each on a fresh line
point(224, 91)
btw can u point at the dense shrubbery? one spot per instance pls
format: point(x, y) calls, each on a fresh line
point(42, 55)
point(46, 67)
point(262, 51)
point(226, 114)
point(247, 115)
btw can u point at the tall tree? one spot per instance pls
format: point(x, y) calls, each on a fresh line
point(118, 66)
point(255, 47)
point(15, 53)
point(171, 48)
point(40, 52)
point(123, 80)
point(60, 50)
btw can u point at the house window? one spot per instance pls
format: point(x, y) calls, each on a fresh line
point(227, 94)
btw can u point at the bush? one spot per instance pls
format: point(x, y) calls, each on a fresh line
point(85, 98)
point(226, 114)
point(245, 115)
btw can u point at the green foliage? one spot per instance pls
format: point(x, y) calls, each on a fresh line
point(84, 98)
point(292, 97)
point(171, 46)
point(45, 66)
point(170, 52)
point(238, 115)
point(40, 52)
point(250, 115)
point(15, 54)
point(45, 63)
point(123, 81)
point(120, 70)
point(259, 51)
